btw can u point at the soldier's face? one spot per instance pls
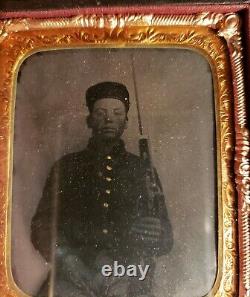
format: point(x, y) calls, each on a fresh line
point(108, 118)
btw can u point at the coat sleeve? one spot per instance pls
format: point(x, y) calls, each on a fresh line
point(44, 223)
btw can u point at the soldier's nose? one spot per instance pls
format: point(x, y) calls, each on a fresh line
point(109, 118)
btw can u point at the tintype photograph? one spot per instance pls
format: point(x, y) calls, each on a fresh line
point(114, 174)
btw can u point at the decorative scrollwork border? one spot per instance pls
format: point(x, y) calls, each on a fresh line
point(202, 32)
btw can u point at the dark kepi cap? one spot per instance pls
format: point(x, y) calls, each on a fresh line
point(107, 89)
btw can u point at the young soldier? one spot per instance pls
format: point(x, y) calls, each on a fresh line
point(90, 214)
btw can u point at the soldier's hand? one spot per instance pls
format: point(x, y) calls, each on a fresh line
point(76, 269)
point(147, 229)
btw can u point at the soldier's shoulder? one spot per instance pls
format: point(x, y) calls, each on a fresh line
point(72, 158)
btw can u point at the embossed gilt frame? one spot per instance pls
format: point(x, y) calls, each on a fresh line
point(217, 37)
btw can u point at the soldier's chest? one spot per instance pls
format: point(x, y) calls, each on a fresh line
point(107, 186)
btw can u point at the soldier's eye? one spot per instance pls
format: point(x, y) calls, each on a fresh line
point(100, 113)
point(118, 112)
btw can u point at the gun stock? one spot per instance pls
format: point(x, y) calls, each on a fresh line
point(151, 203)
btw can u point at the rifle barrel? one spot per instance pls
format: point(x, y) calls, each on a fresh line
point(136, 97)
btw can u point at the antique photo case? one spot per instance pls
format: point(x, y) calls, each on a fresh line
point(124, 157)
point(169, 118)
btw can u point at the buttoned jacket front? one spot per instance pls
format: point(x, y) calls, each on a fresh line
point(93, 199)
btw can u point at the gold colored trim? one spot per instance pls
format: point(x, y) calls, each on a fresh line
point(20, 38)
point(111, 22)
point(230, 30)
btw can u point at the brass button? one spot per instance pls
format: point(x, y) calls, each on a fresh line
point(105, 231)
point(109, 157)
point(108, 191)
point(108, 179)
point(109, 168)
point(105, 204)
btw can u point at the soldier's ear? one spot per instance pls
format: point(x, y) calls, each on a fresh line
point(126, 123)
point(89, 121)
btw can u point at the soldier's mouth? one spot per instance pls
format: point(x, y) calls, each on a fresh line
point(108, 130)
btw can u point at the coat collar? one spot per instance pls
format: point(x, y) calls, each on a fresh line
point(96, 148)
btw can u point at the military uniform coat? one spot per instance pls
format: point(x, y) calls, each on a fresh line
point(90, 201)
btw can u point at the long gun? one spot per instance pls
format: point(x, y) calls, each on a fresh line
point(151, 204)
